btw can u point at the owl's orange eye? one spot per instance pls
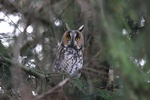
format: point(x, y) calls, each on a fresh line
point(77, 39)
point(68, 38)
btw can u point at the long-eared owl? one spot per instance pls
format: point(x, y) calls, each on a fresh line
point(69, 58)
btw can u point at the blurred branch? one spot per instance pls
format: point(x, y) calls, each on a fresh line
point(92, 59)
point(12, 7)
point(68, 28)
point(86, 69)
point(54, 89)
point(30, 43)
point(16, 25)
point(65, 9)
point(24, 68)
point(57, 87)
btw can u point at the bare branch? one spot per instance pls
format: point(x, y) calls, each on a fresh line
point(54, 89)
point(93, 58)
point(65, 9)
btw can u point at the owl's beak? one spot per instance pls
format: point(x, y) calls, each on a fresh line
point(72, 43)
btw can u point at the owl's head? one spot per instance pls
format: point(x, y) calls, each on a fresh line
point(73, 38)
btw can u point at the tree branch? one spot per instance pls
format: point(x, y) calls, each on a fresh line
point(24, 68)
point(54, 89)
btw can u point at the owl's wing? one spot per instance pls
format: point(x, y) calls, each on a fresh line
point(58, 59)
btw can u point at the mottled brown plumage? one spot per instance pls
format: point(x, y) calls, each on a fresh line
point(69, 58)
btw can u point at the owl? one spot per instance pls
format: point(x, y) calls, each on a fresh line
point(69, 57)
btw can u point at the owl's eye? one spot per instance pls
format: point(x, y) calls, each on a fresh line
point(68, 38)
point(77, 38)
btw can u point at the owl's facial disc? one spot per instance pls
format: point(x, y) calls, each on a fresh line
point(66, 40)
point(73, 39)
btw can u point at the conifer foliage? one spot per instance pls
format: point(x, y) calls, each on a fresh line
point(116, 50)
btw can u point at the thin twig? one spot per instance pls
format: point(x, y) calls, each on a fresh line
point(57, 87)
point(93, 58)
point(67, 27)
point(54, 89)
point(65, 9)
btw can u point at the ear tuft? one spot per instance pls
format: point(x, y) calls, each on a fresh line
point(81, 28)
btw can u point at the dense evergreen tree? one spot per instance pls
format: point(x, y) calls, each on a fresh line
point(116, 53)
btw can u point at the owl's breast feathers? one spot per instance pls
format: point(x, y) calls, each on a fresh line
point(68, 60)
